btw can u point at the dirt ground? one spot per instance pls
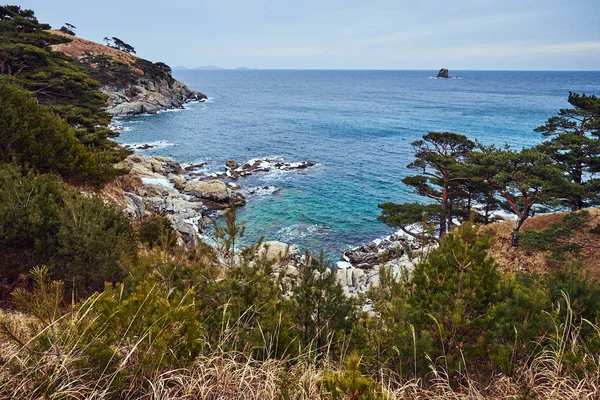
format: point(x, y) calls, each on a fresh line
point(516, 259)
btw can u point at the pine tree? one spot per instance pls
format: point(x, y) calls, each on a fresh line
point(523, 179)
point(575, 146)
point(320, 307)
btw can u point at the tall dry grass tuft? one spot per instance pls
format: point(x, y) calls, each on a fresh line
point(44, 355)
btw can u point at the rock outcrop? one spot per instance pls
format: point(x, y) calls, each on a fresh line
point(148, 96)
point(137, 88)
point(370, 255)
point(217, 195)
point(443, 73)
point(235, 170)
point(359, 267)
point(160, 185)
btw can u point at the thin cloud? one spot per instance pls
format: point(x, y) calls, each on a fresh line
point(586, 48)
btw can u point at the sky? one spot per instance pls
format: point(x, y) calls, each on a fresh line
point(348, 34)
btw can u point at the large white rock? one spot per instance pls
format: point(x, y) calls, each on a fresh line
point(150, 166)
point(358, 278)
point(219, 193)
point(213, 190)
point(343, 265)
point(274, 251)
point(340, 276)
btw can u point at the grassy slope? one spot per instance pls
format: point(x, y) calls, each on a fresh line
point(78, 47)
point(513, 259)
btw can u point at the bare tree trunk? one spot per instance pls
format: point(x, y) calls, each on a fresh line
point(515, 230)
point(444, 210)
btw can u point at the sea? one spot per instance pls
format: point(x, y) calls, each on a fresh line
point(357, 126)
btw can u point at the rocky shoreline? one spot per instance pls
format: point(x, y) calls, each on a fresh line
point(148, 96)
point(189, 198)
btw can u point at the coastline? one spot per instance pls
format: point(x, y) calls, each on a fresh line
point(191, 199)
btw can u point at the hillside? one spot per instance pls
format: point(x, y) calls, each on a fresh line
point(133, 85)
point(518, 259)
point(78, 47)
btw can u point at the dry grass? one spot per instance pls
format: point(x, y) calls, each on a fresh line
point(78, 47)
point(516, 259)
point(25, 374)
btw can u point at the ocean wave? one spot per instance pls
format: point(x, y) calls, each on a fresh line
point(170, 110)
point(300, 231)
point(260, 191)
point(160, 144)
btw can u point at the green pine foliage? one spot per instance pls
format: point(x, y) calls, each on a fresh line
point(323, 315)
point(44, 221)
point(61, 91)
point(452, 292)
point(524, 180)
point(574, 144)
point(33, 137)
point(350, 384)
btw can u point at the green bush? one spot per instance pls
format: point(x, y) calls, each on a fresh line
point(157, 230)
point(350, 384)
point(44, 221)
point(33, 137)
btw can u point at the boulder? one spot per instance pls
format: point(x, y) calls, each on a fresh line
point(443, 73)
point(359, 278)
point(292, 272)
point(274, 251)
point(153, 167)
point(369, 255)
point(340, 276)
point(178, 181)
point(217, 193)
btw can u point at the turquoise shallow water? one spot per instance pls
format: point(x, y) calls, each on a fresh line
point(358, 125)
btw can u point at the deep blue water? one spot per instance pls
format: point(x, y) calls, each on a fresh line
point(358, 125)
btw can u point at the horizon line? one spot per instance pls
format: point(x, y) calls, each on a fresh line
point(248, 69)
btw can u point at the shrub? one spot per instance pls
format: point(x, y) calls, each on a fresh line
point(44, 221)
point(33, 137)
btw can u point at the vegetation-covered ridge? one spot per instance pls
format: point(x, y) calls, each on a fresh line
point(133, 85)
point(53, 117)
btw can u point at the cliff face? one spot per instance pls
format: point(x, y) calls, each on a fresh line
point(133, 85)
point(148, 96)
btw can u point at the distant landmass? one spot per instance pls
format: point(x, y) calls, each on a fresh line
point(210, 68)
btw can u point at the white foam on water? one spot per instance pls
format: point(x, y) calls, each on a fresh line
point(160, 144)
point(261, 191)
point(300, 231)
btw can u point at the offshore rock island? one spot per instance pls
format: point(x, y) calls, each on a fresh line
point(443, 73)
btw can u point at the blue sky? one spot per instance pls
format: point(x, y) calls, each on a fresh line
point(349, 34)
